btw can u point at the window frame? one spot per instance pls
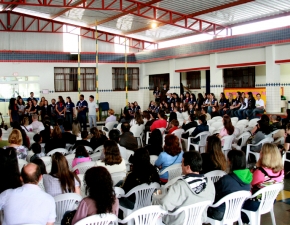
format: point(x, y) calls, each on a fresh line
point(131, 72)
point(156, 77)
point(193, 76)
point(247, 74)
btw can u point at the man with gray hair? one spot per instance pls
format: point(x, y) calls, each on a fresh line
point(28, 204)
point(36, 126)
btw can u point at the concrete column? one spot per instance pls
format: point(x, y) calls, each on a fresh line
point(216, 76)
point(174, 77)
point(273, 104)
point(144, 97)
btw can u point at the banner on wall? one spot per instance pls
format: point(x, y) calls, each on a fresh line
point(255, 91)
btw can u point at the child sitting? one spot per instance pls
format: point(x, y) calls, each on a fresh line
point(36, 148)
point(81, 156)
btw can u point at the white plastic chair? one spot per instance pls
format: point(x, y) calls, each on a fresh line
point(65, 202)
point(217, 118)
point(217, 125)
point(280, 140)
point(202, 142)
point(215, 175)
point(210, 122)
point(193, 213)
point(272, 133)
point(60, 150)
point(257, 154)
point(233, 204)
point(95, 156)
point(253, 122)
point(99, 149)
point(68, 146)
point(228, 140)
point(83, 185)
point(83, 167)
point(243, 122)
point(178, 133)
point(116, 177)
point(241, 127)
point(212, 130)
point(143, 194)
point(29, 154)
point(138, 131)
point(174, 170)
point(69, 159)
point(40, 184)
point(21, 163)
point(109, 126)
point(153, 159)
point(129, 153)
point(268, 196)
point(145, 216)
point(89, 149)
point(235, 119)
point(244, 136)
point(99, 219)
point(148, 134)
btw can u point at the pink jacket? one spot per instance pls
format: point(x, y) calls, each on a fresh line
point(77, 161)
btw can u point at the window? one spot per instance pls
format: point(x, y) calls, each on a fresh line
point(158, 80)
point(119, 82)
point(239, 77)
point(66, 79)
point(193, 79)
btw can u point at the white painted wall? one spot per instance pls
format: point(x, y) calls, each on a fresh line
point(260, 74)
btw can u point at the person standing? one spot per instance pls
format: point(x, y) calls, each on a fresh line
point(53, 112)
point(45, 111)
point(60, 108)
point(82, 108)
point(163, 93)
point(69, 110)
point(13, 111)
point(30, 110)
point(31, 97)
point(93, 109)
point(156, 94)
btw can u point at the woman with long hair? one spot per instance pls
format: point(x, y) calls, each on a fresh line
point(9, 169)
point(101, 197)
point(56, 140)
point(60, 108)
point(21, 108)
point(199, 101)
point(269, 170)
point(143, 172)
point(45, 134)
point(172, 154)
point(41, 103)
point(76, 128)
point(45, 111)
point(60, 180)
point(222, 103)
point(69, 110)
point(137, 119)
point(113, 161)
point(212, 103)
point(13, 111)
point(156, 94)
point(213, 158)
point(228, 128)
point(98, 138)
point(15, 141)
point(155, 143)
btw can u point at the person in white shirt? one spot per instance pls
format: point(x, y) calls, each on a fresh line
point(28, 204)
point(93, 109)
point(36, 126)
point(260, 107)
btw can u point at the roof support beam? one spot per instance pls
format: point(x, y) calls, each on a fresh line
point(221, 7)
point(66, 10)
point(33, 24)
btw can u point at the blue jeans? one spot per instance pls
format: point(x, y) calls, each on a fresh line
point(83, 121)
point(92, 121)
point(256, 111)
point(251, 206)
point(249, 112)
point(240, 113)
point(209, 110)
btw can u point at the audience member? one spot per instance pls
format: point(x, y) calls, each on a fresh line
point(287, 148)
point(69, 111)
point(191, 188)
point(81, 156)
point(215, 112)
point(82, 108)
point(36, 149)
point(200, 128)
point(172, 154)
point(137, 119)
point(150, 121)
point(173, 126)
point(9, 169)
point(25, 138)
point(45, 134)
point(112, 117)
point(126, 118)
point(101, 197)
point(260, 107)
point(15, 141)
point(56, 140)
point(60, 180)
point(143, 172)
point(13, 111)
point(127, 140)
point(36, 126)
point(76, 128)
point(160, 123)
point(228, 128)
point(213, 158)
point(205, 113)
point(40, 163)
point(37, 138)
point(33, 200)
point(2, 142)
point(84, 141)
point(67, 136)
point(113, 161)
point(98, 138)
point(269, 171)
point(93, 109)
point(192, 123)
point(155, 143)
point(238, 179)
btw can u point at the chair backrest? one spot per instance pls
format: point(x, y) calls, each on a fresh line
point(211, 130)
point(65, 202)
point(217, 125)
point(143, 194)
point(272, 133)
point(83, 167)
point(174, 170)
point(244, 136)
point(99, 149)
point(162, 130)
point(203, 136)
point(253, 122)
point(241, 127)
point(145, 216)
point(233, 205)
point(228, 140)
point(129, 153)
point(110, 125)
point(119, 127)
point(190, 130)
point(95, 156)
point(216, 118)
point(83, 185)
point(29, 154)
point(268, 196)
point(99, 219)
point(215, 175)
point(153, 159)
point(193, 213)
point(243, 122)
point(178, 132)
point(235, 119)
point(89, 149)
point(69, 159)
point(137, 130)
point(116, 177)
point(266, 140)
point(210, 122)
point(60, 150)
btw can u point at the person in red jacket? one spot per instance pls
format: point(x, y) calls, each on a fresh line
point(160, 123)
point(173, 126)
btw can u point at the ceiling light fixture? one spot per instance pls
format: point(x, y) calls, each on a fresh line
point(153, 25)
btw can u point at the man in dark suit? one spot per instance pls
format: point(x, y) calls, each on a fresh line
point(127, 140)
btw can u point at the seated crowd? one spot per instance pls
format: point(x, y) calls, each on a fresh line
point(192, 186)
